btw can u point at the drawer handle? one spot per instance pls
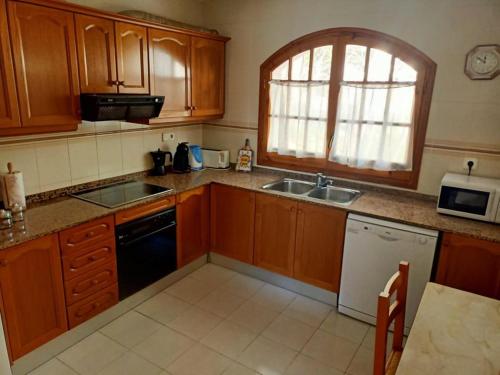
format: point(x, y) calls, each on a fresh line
point(90, 234)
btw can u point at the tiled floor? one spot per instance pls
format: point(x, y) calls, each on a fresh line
point(216, 321)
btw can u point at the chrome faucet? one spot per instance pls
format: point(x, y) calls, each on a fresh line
point(323, 181)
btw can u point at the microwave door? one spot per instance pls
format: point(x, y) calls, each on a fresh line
point(468, 203)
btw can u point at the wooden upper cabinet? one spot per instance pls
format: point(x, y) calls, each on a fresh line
point(319, 245)
point(169, 66)
point(44, 50)
point(9, 113)
point(275, 226)
point(207, 70)
point(96, 54)
point(470, 264)
point(232, 215)
point(33, 294)
point(193, 224)
point(132, 58)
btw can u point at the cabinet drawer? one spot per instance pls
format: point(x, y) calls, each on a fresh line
point(145, 209)
point(88, 258)
point(86, 234)
point(85, 285)
point(93, 305)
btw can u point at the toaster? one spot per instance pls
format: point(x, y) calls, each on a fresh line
point(215, 158)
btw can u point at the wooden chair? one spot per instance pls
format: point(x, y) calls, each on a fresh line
point(386, 314)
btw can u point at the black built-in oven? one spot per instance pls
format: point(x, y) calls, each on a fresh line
point(146, 251)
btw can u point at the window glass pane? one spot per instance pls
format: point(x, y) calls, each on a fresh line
point(403, 72)
point(300, 66)
point(401, 105)
point(297, 101)
point(281, 72)
point(354, 65)
point(374, 104)
point(322, 62)
point(379, 66)
point(315, 137)
point(318, 97)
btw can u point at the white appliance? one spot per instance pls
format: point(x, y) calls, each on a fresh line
point(373, 249)
point(4, 356)
point(471, 197)
point(215, 158)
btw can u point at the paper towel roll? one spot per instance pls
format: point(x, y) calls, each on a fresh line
point(13, 189)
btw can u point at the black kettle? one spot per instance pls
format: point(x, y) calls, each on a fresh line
point(181, 158)
point(159, 158)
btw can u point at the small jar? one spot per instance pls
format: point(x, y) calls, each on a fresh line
point(17, 213)
point(5, 219)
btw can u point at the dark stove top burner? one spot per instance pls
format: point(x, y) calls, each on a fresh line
point(115, 195)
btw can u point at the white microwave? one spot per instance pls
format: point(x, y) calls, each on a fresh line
point(471, 197)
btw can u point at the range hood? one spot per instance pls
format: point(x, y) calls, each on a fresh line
point(103, 107)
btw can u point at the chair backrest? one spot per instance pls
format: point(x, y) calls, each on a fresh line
point(387, 313)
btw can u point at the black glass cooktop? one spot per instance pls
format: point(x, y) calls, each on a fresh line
point(115, 195)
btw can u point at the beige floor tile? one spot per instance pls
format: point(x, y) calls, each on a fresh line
point(213, 275)
point(273, 297)
point(331, 350)
point(195, 322)
point(369, 340)
point(344, 326)
point(253, 316)
point(163, 347)
point(130, 329)
point(303, 365)
point(308, 311)
point(237, 369)
point(229, 339)
point(362, 363)
point(92, 354)
point(221, 303)
point(163, 307)
point(130, 364)
point(200, 360)
point(189, 290)
point(267, 357)
point(53, 367)
point(243, 286)
point(289, 332)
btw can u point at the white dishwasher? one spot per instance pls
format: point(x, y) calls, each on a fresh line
point(373, 249)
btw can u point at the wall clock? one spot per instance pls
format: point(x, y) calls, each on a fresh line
point(483, 62)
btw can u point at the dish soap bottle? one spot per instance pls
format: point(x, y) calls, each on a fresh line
point(245, 158)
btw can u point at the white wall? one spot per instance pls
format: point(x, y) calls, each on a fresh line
point(464, 114)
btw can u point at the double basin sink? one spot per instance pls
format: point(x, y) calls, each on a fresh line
point(328, 193)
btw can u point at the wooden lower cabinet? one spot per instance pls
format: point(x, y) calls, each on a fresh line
point(275, 226)
point(33, 294)
point(470, 264)
point(193, 224)
point(89, 307)
point(319, 245)
point(232, 214)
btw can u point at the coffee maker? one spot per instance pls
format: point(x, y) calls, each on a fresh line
point(159, 158)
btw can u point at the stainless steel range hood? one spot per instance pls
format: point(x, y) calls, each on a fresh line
point(103, 107)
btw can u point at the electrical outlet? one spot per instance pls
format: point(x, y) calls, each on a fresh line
point(168, 137)
point(466, 161)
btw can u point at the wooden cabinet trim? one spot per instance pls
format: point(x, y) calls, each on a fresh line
point(87, 234)
point(144, 210)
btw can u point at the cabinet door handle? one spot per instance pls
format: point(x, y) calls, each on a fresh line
point(193, 108)
point(292, 209)
point(121, 83)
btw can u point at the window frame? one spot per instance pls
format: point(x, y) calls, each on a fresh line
point(339, 38)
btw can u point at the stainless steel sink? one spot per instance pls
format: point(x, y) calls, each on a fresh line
point(335, 194)
point(288, 185)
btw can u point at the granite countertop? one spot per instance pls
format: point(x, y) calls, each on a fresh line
point(454, 333)
point(61, 213)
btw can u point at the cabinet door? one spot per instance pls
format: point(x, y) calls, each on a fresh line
point(170, 71)
point(33, 294)
point(96, 54)
point(469, 264)
point(275, 226)
point(9, 113)
point(232, 216)
point(319, 245)
point(132, 58)
point(193, 224)
point(44, 48)
point(207, 69)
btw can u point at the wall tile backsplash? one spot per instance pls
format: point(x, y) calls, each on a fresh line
point(56, 163)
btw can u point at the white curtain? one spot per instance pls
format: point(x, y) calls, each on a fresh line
point(374, 126)
point(298, 115)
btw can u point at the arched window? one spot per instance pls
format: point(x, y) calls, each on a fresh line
point(351, 102)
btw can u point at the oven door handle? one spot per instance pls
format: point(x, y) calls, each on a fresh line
point(124, 242)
